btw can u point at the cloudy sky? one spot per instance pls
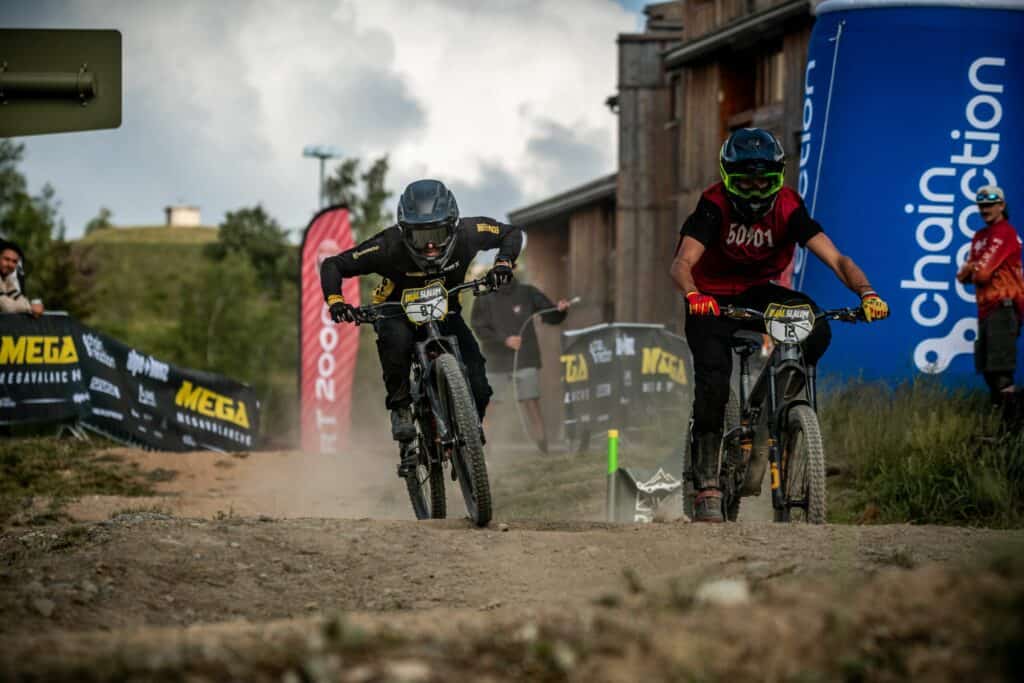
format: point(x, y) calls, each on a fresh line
point(502, 99)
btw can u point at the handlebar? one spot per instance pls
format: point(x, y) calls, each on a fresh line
point(374, 312)
point(846, 315)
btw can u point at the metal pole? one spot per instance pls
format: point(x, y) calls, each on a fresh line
point(323, 160)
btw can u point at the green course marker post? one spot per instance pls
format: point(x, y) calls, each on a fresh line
point(613, 468)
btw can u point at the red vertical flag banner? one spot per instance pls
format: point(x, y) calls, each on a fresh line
point(327, 351)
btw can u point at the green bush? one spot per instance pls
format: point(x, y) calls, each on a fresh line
point(921, 453)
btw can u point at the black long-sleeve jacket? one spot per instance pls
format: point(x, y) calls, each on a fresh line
point(385, 254)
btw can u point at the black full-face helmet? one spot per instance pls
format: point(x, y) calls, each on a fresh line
point(752, 166)
point(429, 220)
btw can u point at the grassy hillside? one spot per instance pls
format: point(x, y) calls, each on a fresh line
point(135, 287)
point(152, 234)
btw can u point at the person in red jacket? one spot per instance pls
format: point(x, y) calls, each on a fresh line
point(994, 267)
point(733, 249)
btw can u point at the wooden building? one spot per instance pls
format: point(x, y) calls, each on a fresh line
point(701, 69)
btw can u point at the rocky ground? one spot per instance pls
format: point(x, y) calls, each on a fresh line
point(266, 568)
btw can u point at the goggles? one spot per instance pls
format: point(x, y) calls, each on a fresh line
point(753, 185)
point(988, 198)
point(435, 234)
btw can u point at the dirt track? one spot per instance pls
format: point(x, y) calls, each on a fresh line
point(110, 598)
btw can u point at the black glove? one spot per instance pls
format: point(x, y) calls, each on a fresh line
point(499, 275)
point(343, 313)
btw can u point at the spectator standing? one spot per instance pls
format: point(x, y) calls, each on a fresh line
point(12, 296)
point(503, 324)
point(994, 267)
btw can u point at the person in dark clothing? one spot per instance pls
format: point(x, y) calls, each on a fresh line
point(429, 243)
point(733, 249)
point(503, 324)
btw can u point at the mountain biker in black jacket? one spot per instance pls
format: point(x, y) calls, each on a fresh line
point(429, 243)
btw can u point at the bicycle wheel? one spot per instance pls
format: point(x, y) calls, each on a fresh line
point(426, 475)
point(802, 471)
point(468, 456)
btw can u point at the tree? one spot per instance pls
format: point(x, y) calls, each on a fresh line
point(34, 224)
point(366, 206)
point(100, 222)
point(252, 232)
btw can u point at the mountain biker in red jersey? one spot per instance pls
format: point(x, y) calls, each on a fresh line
point(994, 267)
point(732, 250)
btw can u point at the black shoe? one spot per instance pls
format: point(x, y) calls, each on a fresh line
point(708, 506)
point(402, 427)
point(542, 446)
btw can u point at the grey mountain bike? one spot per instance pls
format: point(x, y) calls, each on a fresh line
point(448, 427)
point(775, 423)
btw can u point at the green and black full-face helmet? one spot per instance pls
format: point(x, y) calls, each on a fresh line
point(752, 167)
point(428, 217)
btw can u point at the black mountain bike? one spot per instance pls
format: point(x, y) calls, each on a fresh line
point(775, 423)
point(448, 427)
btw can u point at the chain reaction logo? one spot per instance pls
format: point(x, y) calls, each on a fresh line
point(201, 400)
point(38, 350)
point(942, 232)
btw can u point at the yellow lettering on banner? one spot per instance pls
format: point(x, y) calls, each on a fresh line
point(12, 350)
point(38, 350)
point(205, 402)
point(658, 361)
point(575, 368)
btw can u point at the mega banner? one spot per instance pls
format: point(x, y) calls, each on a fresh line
point(54, 369)
point(909, 107)
point(624, 375)
point(327, 351)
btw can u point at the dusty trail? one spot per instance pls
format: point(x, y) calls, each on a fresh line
point(261, 550)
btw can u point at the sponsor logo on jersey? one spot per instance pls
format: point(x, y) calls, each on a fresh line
point(364, 252)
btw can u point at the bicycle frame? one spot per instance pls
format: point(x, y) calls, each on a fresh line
point(785, 361)
point(424, 355)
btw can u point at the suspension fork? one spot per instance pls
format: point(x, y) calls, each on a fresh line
point(778, 500)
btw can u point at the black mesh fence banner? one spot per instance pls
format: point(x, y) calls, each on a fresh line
point(54, 369)
point(625, 376)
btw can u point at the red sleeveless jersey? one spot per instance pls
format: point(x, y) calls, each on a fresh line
point(741, 256)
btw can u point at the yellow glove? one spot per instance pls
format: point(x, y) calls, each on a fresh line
point(873, 306)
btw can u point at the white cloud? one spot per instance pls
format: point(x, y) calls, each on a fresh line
point(221, 97)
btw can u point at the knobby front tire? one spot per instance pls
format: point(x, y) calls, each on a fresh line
point(427, 476)
point(468, 458)
point(803, 468)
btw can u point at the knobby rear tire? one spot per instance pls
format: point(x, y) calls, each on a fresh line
point(469, 456)
point(803, 467)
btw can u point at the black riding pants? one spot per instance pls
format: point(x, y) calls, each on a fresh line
point(396, 339)
point(708, 338)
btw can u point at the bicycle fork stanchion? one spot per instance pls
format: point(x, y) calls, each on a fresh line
point(613, 467)
point(773, 460)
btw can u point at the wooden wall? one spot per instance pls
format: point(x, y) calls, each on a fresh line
point(644, 207)
point(591, 264)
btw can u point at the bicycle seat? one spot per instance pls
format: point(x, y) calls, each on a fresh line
point(745, 342)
